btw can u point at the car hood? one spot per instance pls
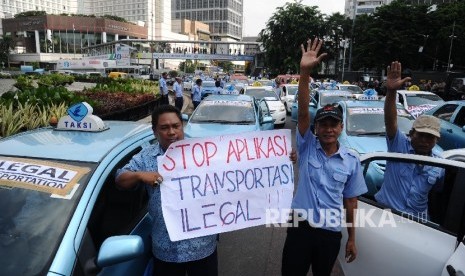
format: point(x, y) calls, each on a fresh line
point(364, 144)
point(207, 130)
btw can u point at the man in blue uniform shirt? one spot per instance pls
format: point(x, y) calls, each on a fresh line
point(406, 185)
point(330, 177)
point(163, 89)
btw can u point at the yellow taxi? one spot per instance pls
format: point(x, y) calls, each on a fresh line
point(118, 75)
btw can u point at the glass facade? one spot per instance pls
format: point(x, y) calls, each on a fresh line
point(225, 17)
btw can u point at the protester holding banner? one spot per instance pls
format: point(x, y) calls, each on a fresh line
point(195, 256)
point(163, 89)
point(330, 178)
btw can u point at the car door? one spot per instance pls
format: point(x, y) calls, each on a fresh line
point(451, 135)
point(458, 127)
point(115, 212)
point(393, 243)
point(264, 116)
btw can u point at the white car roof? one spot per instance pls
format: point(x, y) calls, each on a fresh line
point(415, 92)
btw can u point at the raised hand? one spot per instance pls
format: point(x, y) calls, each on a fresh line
point(310, 57)
point(394, 81)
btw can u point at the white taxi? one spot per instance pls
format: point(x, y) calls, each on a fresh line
point(277, 109)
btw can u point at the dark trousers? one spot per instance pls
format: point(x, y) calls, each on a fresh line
point(195, 104)
point(207, 266)
point(164, 100)
point(306, 246)
point(178, 102)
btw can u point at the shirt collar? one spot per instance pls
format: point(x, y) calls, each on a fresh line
point(341, 151)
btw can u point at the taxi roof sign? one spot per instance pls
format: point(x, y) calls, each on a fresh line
point(80, 118)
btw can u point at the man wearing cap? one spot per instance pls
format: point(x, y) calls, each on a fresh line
point(177, 87)
point(330, 179)
point(406, 185)
point(163, 89)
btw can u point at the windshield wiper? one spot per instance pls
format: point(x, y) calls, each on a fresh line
point(216, 121)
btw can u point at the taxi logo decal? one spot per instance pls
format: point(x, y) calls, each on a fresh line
point(78, 112)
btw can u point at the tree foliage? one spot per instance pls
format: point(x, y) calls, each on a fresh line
point(289, 27)
point(417, 35)
point(6, 46)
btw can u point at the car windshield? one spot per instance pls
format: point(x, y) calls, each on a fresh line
point(266, 82)
point(224, 112)
point(332, 98)
point(352, 88)
point(363, 121)
point(419, 99)
point(291, 90)
point(208, 84)
point(33, 222)
point(263, 93)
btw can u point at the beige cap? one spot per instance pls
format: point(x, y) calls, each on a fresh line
point(427, 124)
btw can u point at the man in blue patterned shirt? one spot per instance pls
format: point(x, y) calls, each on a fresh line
point(195, 256)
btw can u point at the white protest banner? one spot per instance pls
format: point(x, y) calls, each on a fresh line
point(224, 183)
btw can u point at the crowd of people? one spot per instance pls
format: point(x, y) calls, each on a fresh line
point(330, 177)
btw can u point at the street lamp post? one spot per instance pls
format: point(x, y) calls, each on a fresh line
point(344, 58)
point(452, 36)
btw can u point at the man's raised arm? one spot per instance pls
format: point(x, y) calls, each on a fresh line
point(393, 83)
point(309, 60)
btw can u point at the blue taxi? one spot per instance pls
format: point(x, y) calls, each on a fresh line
point(228, 114)
point(318, 99)
point(61, 212)
point(452, 116)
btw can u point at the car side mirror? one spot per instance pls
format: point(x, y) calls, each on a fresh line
point(312, 104)
point(185, 117)
point(267, 119)
point(119, 249)
point(463, 128)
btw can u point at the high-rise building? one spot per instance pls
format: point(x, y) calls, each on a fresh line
point(154, 14)
point(225, 17)
point(9, 8)
point(358, 7)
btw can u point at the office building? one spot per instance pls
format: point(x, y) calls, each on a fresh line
point(225, 17)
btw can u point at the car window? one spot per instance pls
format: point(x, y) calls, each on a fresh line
point(445, 207)
point(32, 222)
point(460, 118)
point(331, 99)
point(259, 94)
point(265, 111)
point(224, 112)
point(445, 112)
point(370, 121)
point(419, 99)
point(292, 90)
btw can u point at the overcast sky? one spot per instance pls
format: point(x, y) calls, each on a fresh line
point(257, 12)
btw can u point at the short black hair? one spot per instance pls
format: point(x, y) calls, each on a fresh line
point(162, 109)
point(198, 81)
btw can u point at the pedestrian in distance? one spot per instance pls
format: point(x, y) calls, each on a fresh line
point(330, 177)
point(177, 87)
point(163, 89)
point(406, 185)
point(196, 93)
